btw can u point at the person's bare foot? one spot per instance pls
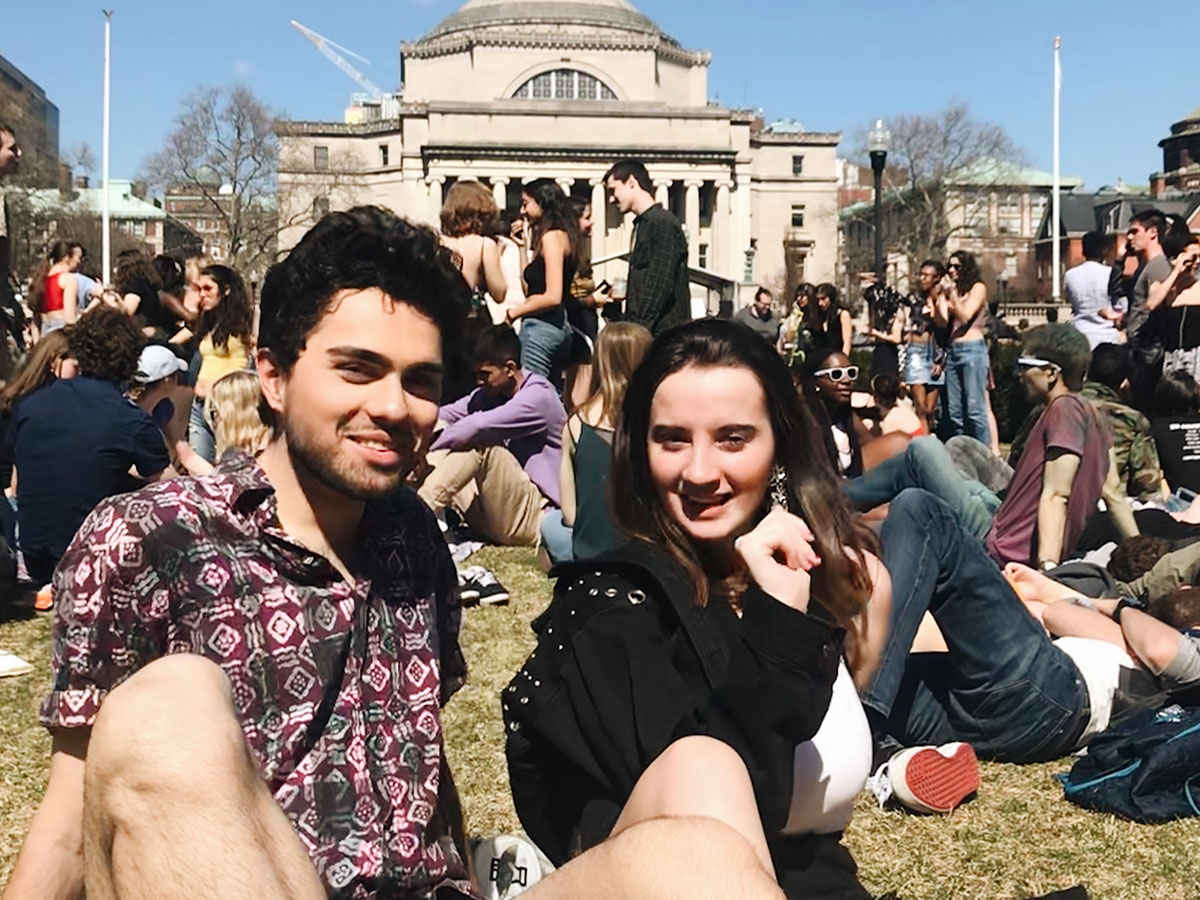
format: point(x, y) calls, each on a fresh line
point(1032, 586)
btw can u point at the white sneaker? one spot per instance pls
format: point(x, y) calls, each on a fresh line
point(507, 865)
point(11, 664)
point(929, 779)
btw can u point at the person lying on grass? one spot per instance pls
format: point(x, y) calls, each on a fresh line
point(1001, 683)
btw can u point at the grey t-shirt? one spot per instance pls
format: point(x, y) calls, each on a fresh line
point(1183, 672)
point(1158, 269)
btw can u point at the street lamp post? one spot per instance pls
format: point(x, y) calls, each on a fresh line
point(877, 143)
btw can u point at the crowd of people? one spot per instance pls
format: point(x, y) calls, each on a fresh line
point(768, 591)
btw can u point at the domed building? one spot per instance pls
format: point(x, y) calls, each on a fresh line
point(504, 91)
point(1181, 158)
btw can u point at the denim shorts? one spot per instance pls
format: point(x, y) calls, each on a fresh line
point(918, 364)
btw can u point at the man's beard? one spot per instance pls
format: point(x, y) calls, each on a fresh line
point(338, 472)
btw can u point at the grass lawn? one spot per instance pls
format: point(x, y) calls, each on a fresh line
point(1017, 838)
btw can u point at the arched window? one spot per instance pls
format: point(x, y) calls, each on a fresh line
point(565, 84)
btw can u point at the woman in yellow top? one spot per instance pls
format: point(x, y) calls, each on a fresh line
point(224, 330)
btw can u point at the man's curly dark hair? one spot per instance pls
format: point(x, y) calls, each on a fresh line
point(361, 248)
point(1137, 555)
point(106, 343)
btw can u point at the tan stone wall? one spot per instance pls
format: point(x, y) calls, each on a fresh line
point(492, 73)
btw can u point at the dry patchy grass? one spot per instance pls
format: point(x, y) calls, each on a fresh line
point(1017, 838)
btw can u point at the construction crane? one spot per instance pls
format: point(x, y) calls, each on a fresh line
point(327, 46)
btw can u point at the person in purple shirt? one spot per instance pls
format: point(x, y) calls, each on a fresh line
point(496, 461)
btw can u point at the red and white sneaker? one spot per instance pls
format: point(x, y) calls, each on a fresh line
point(929, 779)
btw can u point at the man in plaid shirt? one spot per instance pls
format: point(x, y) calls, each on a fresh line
point(657, 295)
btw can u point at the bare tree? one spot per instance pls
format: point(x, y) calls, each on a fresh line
point(223, 151)
point(80, 158)
point(224, 154)
point(937, 165)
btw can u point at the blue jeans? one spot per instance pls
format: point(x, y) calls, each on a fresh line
point(545, 347)
point(200, 433)
point(966, 389)
point(556, 537)
point(1003, 686)
point(927, 465)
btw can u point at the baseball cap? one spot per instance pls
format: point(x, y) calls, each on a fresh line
point(156, 363)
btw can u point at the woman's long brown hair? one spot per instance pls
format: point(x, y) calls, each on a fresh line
point(38, 370)
point(841, 584)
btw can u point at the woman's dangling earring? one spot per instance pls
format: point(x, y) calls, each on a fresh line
point(779, 488)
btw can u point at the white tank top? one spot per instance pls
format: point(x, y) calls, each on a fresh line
point(833, 767)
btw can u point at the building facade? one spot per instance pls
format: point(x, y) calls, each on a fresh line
point(992, 209)
point(1181, 158)
point(199, 216)
point(504, 92)
point(24, 106)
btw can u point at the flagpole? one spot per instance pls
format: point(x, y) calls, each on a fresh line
point(1055, 218)
point(106, 239)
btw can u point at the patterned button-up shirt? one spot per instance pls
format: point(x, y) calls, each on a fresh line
point(337, 686)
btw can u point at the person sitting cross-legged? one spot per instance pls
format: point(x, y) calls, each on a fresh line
point(496, 461)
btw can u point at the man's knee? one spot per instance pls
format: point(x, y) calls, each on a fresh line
point(914, 506)
point(170, 726)
point(924, 449)
point(692, 856)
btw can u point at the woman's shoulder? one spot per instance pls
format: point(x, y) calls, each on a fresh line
point(634, 571)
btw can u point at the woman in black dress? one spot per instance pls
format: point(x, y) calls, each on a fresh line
point(677, 675)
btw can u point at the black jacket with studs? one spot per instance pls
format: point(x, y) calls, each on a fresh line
point(627, 663)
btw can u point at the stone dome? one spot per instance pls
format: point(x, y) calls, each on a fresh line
point(474, 15)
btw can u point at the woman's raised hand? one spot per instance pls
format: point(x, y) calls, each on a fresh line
point(779, 556)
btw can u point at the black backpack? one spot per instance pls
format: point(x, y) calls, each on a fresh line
point(1146, 769)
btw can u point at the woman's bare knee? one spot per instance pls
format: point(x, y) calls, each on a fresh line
point(692, 770)
point(703, 777)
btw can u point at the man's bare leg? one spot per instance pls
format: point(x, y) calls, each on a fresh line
point(173, 803)
point(690, 829)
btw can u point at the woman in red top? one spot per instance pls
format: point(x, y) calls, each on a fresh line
point(58, 303)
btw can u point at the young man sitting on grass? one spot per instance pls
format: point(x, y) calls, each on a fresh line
point(496, 462)
point(249, 665)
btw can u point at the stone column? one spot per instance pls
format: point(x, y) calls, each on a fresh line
point(691, 219)
point(566, 184)
point(718, 252)
point(599, 217)
point(500, 191)
point(740, 229)
point(434, 183)
point(662, 194)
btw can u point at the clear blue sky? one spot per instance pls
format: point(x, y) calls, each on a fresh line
point(832, 65)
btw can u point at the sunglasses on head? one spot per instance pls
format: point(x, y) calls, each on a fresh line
point(838, 373)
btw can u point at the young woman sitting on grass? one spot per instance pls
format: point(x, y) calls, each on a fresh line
point(583, 527)
point(234, 411)
point(677, 675)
